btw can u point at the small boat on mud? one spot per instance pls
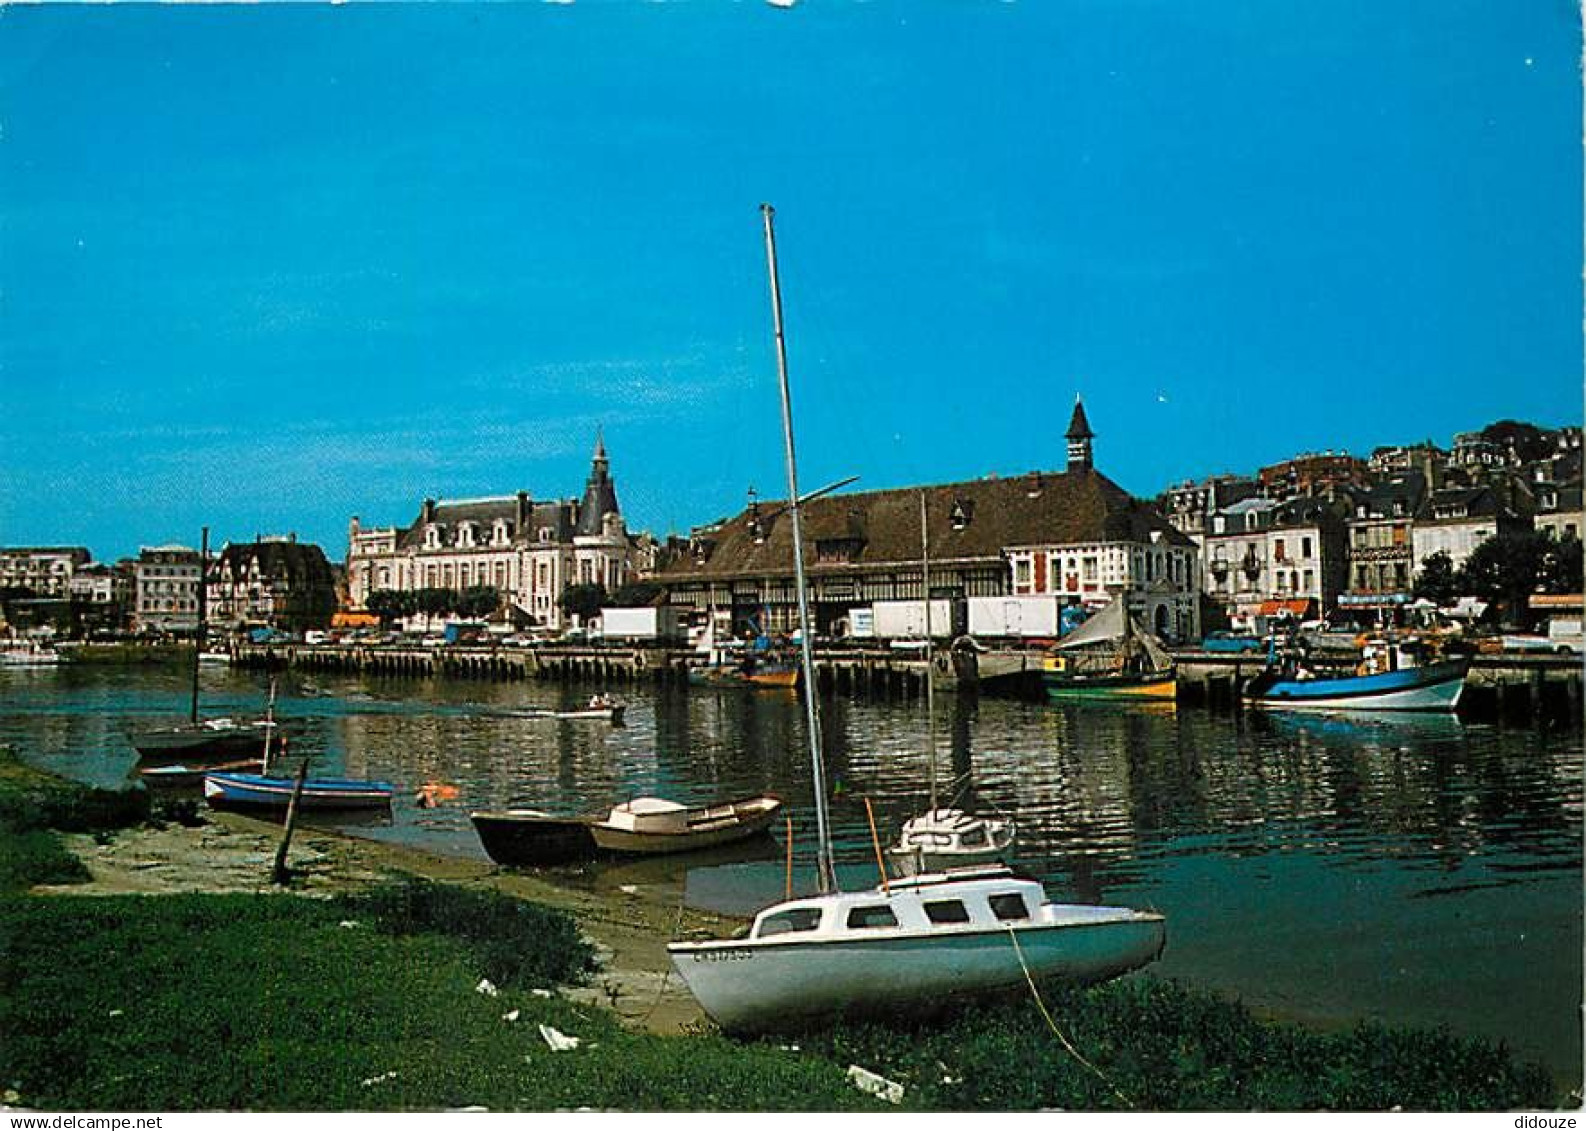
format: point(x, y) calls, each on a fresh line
point(652, 825)
point(645, 826)
point(530, 837)
point(224, 789)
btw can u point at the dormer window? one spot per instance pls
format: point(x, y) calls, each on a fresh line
point(833, 550)
point(961, 513)
point(432, 537)
point(501, 533)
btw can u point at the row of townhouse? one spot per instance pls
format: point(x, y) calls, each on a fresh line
point(1323, 533)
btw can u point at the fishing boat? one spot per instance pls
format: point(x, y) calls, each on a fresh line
point(914, 943)
point(942, 836)
point(1391, 676)
point(767, 674)
point(654, 825)
point(530, 837)
point(1110, 656)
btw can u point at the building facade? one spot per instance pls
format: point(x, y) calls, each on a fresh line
point(271, 582)
point(529, 551)
point(165, 589)
point(43, 571)
point(1073, 533)
point(1455, 520)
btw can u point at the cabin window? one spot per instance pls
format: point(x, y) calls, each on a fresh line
point(786, 922)
point(973, 838)
point(1009, 906)
point(947, 911)
point(872, 915)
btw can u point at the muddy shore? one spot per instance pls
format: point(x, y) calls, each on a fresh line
point(629, 924)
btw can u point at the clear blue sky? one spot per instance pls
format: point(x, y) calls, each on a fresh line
point(266, 268)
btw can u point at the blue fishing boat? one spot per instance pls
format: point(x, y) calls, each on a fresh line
point(259, 791)
point(1391, 677)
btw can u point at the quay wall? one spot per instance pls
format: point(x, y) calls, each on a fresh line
point(1508, 686)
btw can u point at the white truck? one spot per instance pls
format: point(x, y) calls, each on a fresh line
point(1018, 617)
point(905, 620)
point(660, 624)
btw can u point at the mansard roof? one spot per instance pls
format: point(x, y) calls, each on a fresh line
point(977, 519)
point(296, 563)
point(555, 515)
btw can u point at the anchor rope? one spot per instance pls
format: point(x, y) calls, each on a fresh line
point(1051, 1024)
point(666, 974)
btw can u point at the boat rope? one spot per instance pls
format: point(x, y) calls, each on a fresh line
point(666, 974)
point(1013, 937)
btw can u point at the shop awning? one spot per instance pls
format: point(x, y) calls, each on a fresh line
point(354, 620)
point(1300, 608)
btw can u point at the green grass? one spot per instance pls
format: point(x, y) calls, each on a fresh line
point(35, 804)
point(267, 1002)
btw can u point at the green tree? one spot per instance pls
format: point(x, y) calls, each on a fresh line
point(1561, 570)
point(584, 600)
point(636, 594)
point(435, 602)
point(1504, 571)
point(478, 601)
point(1437, 582)
point(391, 604)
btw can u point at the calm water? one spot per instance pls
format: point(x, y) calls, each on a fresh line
point(1416, 871)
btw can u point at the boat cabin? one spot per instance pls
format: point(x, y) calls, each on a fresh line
point(948, 832)
point(964, 899)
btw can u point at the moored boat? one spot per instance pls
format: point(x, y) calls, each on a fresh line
point(773, 675)
point(30, 655)
point(1435, 686)
point(918, 944)
point(224, 789)
point(946, 837)
point(911, 943)
point(654, 825)
point(528, 837)
point(1109, 657)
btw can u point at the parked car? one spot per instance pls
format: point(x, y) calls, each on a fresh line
point(1527, 642)
point(1225, 641)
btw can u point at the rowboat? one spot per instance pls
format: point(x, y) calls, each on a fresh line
point(915, 943)
point(223, 789)
point(1423, 687)
point(654, 825)
point(919, 945)
point(181, 776)
point(518, 837)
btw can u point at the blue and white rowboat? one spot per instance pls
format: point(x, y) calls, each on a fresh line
point(1427, 687)
point(257, 791)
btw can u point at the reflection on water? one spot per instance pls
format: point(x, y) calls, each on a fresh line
point(1325, 866)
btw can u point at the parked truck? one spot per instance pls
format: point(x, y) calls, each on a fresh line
point(659, 624)
point(905, 620)
point(1016, 617)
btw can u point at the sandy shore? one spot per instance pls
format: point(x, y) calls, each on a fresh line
point(629, 924)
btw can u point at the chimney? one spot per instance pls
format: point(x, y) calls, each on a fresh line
point(520, 513)
point(429, 510)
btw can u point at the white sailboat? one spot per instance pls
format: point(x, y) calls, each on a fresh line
point(944, 836)
point(913, 942)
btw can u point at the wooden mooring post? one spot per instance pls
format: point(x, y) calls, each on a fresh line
point(282, 874)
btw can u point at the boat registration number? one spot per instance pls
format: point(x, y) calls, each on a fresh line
point(723, 956)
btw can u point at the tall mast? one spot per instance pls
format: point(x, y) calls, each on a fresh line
point(826, 877)
point(930, 648)
point(198, 641)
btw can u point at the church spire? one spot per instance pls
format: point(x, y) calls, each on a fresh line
point(1079, 439)
point(600, 493)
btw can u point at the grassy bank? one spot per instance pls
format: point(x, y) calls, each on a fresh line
point(370, 1002)
point(35, 806)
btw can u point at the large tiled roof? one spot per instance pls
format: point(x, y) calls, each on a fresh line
point(557, 516)
point(1046, 508)
point(298, 563)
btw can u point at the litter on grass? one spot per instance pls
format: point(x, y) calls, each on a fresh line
point(879, 1086)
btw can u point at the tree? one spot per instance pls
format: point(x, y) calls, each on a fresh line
point(478, 601)
point(434, 602)
point(1504, 571)
point(636, 594)
point(584, 600)
point(1437, 581)
point(1561, 567)
point(391, 604)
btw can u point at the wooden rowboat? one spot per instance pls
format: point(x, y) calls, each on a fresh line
point(648, 825)
point(528, 837)
point(258, 791)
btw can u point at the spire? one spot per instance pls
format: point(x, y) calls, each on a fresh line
point(1079, 438)
point(600, 493)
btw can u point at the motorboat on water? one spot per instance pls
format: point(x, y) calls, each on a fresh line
point(921, 942)
point(30, 654)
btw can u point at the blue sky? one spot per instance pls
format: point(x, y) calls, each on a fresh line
point(268, 267)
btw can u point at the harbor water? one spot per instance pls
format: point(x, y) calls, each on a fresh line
point(1328, 870)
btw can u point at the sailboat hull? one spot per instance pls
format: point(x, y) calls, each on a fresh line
point(1156, 686)
point(758, 986)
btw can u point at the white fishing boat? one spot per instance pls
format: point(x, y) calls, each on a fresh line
point(920, 942)
point(943, 836)
point(29, 655)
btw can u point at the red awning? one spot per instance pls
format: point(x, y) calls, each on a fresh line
point(1299, 608)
